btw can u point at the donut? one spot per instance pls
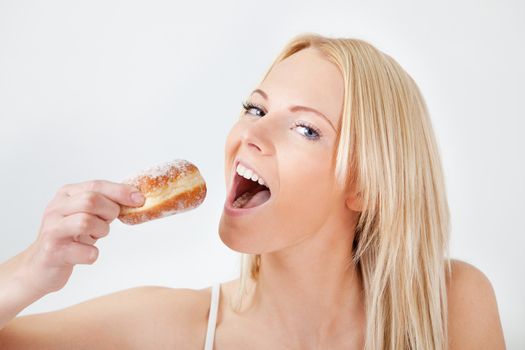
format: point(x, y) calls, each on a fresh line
point(170, 188)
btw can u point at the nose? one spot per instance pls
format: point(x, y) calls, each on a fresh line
point(255, 137)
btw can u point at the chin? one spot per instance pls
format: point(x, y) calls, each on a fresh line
point(241, 240)
point(230, 236)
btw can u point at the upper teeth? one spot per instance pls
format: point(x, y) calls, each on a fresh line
point(249, 174)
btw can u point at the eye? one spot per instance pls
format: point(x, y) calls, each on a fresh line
point(308, 131)
point(249, 106)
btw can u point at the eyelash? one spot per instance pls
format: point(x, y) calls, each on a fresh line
point(249, 105)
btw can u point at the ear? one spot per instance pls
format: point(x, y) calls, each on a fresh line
point(354, 202)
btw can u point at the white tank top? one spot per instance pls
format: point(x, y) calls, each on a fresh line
point(212, 318)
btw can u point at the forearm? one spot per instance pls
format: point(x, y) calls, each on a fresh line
point(15, 296)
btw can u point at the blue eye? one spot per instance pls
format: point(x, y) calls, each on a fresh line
point(311, 132)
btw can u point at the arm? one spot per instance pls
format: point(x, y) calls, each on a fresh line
point(148, 317)
point(14, 296)
point(474, 321)
point(73, 221)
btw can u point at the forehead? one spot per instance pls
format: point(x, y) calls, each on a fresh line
point(306, 78)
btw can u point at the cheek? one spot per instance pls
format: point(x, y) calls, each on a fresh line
point(230, 138)
point(301, 208)
point(230, 146)
point(306, 181)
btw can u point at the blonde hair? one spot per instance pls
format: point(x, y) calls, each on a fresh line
point(386, 148)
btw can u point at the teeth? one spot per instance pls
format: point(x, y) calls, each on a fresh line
point(242, 200)
point(249, 174)
point(240, 170)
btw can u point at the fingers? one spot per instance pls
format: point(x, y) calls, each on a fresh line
point(81, 227)
point(86, 239)
point(89, 202)
point(98, 197)
point(73, 221)
point(80, 214)
point(119, 193)
point(79, 253)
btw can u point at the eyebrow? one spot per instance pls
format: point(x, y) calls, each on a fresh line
point(298, 108)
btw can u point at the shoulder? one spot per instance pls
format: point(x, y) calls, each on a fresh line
point(473, 319)
point(166, 317)
point(183, 311)
point(145, 317)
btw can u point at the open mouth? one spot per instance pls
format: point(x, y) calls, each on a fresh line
point(247, 193)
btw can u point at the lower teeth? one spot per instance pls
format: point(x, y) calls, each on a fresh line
point(242, 200)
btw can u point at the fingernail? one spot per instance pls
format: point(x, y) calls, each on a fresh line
point(137, 197)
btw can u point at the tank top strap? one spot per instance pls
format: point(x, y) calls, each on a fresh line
point(212, 317)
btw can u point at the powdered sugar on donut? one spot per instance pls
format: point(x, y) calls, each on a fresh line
point(170, 187)
point(164, 169)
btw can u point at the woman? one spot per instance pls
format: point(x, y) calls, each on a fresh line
point(346, 249)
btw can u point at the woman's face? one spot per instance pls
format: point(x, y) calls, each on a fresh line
point(292, 150)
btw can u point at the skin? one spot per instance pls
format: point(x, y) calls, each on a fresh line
point(308, 295)
point(305, 231)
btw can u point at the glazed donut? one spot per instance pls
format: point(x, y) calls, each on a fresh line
point(170, 188)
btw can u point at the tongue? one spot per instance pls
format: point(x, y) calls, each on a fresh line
point(249, 200)
point(258, 199)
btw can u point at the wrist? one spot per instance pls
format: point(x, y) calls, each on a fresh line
point(22, 279)
point(23, 290)
point(15, 280)
point(14, 295)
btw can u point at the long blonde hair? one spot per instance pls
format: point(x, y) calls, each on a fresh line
point(387, 149)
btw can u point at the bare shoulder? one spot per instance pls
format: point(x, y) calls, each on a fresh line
point(176, 316)
point(474, 321)
point(145, 317)
point(159, 317)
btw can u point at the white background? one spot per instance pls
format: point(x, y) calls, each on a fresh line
point(101, 89)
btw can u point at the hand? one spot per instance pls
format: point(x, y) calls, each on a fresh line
point(73, 221)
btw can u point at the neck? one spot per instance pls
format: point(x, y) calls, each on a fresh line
point(310, 292)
